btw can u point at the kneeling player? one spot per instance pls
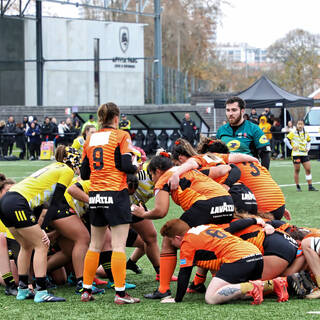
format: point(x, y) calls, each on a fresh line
point(208, 246)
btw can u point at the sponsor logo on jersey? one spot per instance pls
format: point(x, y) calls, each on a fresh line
point(233, 145)
point(183, 261)
point(263, 139)
point(224, 208)
point(97, 199)
point(248, 196)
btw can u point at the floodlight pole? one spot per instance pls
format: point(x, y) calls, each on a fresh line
point(158, 52)
point(39, 49)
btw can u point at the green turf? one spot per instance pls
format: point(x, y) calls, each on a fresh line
point(304, 207)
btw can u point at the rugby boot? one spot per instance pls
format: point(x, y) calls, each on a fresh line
point(312, 188)
point(110, 285)
point(157, 294)
point(280, 285)
point(44, 296)
point(24, 294)
point(86, 296)
point(133, 267)
point(199, 288)
point(11, 290)
point(257, 292)
point(99, 282)
point(127, 299)
point(95, 290)
point(173, 278)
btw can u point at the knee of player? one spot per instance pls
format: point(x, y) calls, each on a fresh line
point(211, 298)
point(306, 244)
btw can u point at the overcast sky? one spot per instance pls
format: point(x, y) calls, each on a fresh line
point(262, 22)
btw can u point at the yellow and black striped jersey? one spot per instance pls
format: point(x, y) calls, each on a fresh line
point(79, 207)
point(78, 143)
point(299, 139)
point(145, 187)
point(40, 186)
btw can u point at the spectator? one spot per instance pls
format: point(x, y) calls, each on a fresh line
point(69, 133)
point(3, 130)
point(25, 123)
point(77, 128)
point(265, 127)
point(267, 113)
point(246, 116)
point(188, 129)
point(54, 127)
point(253, 117)
point(46, 130)
point(277, 140)
point(33, 134)
point(125, 124)
point(91, 121)
point(21, 140)
point(286, 130)
point(174, 136)
point(10, 138)
point(35, 120)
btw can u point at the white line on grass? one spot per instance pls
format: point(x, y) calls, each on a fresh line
point(291, 185)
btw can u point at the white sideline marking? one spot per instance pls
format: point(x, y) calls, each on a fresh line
point(313, 312)
point(291, 185)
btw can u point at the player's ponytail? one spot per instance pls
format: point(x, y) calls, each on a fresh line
point(106, 114)
point(60, 153)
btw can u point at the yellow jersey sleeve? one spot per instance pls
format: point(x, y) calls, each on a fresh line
point(78, 143)
point(290, 135)
point(5, 230)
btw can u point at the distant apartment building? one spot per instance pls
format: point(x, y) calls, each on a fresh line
point(242, 54)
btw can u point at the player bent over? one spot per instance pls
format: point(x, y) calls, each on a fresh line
point(239, 264)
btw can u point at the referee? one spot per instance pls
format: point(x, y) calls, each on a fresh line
point(242, 135)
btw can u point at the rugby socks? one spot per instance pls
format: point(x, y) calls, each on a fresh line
point(168, 263)
point(8, 279)
point(91, 263)
point(105, 261)
point(156, 269)
point(268, 287)
point(23, 281)
point(118, 268)
point(41, 283)
point(246, 287)
point(199, 278)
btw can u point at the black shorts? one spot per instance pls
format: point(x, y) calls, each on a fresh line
point(243, 199)
point(300, 159)
point(278, 213)
point(216, 210)
point(280, 245)
point(132, 237)
point(249, 268)
point(109, 208)
point(63, 211)
point(13, 249)
point(136, 219)
point(15, 211)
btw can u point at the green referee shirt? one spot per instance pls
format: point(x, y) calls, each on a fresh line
point(246, 138)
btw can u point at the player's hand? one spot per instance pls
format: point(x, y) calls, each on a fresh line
point(168, 299)
point(268, 229)
point(287, 214)
point(138, 211)
point(260, 221)
point(45, 239)
point(174, 182)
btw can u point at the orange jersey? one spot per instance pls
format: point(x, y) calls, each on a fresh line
point(258, 179)
point(209, 246)
point(193, 186)
point(207, 162)
point(104, 150)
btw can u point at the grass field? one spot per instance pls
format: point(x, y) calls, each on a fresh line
point(304, 207)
